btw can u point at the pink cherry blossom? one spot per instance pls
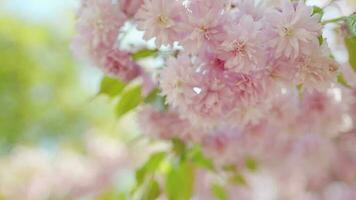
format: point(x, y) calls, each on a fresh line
point(98, 27)
point(244, 80)
point(316, 70)
point(321, 113)
point(195, 90)
point(119, 64)
point(130, 7)
point(159, 19)
point(163, 125)
point(243, 49)
point(178, 80)
point(203, 92)
point(203, 26)
point(253, 8)
point(345, 163)
point(291, 28)
point(98, 24)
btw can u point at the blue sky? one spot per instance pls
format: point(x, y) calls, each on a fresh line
point(50, 11)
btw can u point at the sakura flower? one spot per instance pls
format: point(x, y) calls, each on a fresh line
point(97, 25)
point(253, 8)
point(291, 28)
point(249, 88)
point(178, 80)
point(119, 64)
point(223, 147)
point(198, 92)
point(316, 70)
point(344, 166)
point(284, 107)
point(130, 7)
point(321, 113)
point(204, 25)
point(243, 48)
point(163, 125)
point(205, 92)
point(159, 19)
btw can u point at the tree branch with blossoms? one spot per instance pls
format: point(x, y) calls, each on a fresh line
point(248, 94)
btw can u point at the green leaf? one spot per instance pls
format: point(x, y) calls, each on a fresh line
point(300, 89)
point(251, 164)
point(157, 100)
point(321, 40)
point(239, 179)
point(318, 10)
point(112, 194)
point(179, 182)
point(197, 157)
point(351, 24)
point(219, 192)
point(230, 168)
point(129, 100)
point(144, 53)
point(152, 191)
point(150, 166)
point(351, 47)
point(111, 87)
point(122, 196)
point(178, 147)
point(341, 79)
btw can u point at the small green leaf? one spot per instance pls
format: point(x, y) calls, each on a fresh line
point(111, 87)
point(341, 79)
point(178, 147)
point(219, 192)
point(251, 164)
point(321, 40)
point(351, 47)
point(179, 182)
point(300, 89)
point(151, 165)
point(111, 194)
point(152, 191)
point(351, 24)
point(122, 196)
point(129, 100)
point(197, 157)
point(238, 179)
point(230, 168)
point(144, 53)
point(318, 10)
point(157, 100)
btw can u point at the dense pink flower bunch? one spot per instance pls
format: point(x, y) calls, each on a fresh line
point(247, 81)
point(235, 60)
point(98, 27)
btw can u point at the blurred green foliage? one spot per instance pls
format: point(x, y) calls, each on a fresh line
point(40, 93)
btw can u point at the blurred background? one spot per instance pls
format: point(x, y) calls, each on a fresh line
point(52, 123)
point(46, 96)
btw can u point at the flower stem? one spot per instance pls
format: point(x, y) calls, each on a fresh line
point(334, 20)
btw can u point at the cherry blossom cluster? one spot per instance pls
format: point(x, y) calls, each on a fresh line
point(35, 174)
point(304, 148)
point(248, 80)
point(98, 27)
point(236, 55)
